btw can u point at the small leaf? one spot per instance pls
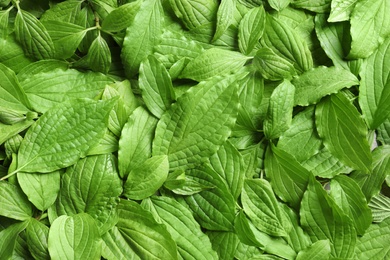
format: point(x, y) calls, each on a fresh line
point(99, 55)
point(14, 203)
point(251, 29)
point(121, 17)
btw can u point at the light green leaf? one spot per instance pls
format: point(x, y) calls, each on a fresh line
point(135, 143)
point(121, 17)
point(380, 207)
point(37, 235)
point(75, 237)
point(341, 10)
point(99, 55)
point(318, 250)
point(14, 203)
point(260, 204)
point(279, 115)
point(297, 238)
point(107, 144)
point(272, 66)
point(142, 35)
point(287, 43)
point(225, 243)
point(323, 219)
point(145, 179)
point(41, 189)
point(116, 247)
point(369, 27)
point(74, 127)
point(318, 6)
point(12, 54)
point(316, 83)
point(8, 239)
point(156, 86)
point(191, 242)
point(343, 131)
point(39, 67)
point(33, 36)
point(288, 178)
point(383, 132)
point(7, 131)
point(251, 29)
point(4, 17)
point(224, 17)
point(194, 127)
point(64, 11)
point(279, 5)
point(375, 242)
point(92, 186)
point(119, 115)
point(214, 61)
point(374, 98)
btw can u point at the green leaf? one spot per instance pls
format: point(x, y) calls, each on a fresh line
point(191, 242)
point(214, 61)
point(279, 5)
point(369, 27)
point(74, 127)
point(318, 250)
point(288, 178)
point(287, 43)
point(156, 86)
point(142, 35)
point(121, 17)
point(14, 203)
point(12, 54)
point(199, 122)
point(33, 36)
point(4, 17)
point(279, 115)
point(225, 243)
point(65, 11)
point(7, 131)
point(374, 244)
point(374, 98)
point(145, 179)
point(318, 6)
point(323, 219)
point(116, 247)
point(224, 17)
point(135, 143)
point(380, 207)
point(383, 132)
point(344, 133)
point(99, 55)
point(37, 238)
point(341, 10)
point(297, 238)
point(316, 83)
point(8, 238)
point(251, 29)
point(349, 197)
point(92, 186)
point(75, 237)
point(41, 189)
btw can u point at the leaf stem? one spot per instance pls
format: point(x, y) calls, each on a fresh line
point(9, 175)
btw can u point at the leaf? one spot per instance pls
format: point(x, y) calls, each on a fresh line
point(374, 95)
point(74, 127)
point(41, 189)
point(7, 131)
point(135, 143)
point(343, 131)
point(320, 216)
point(374, 244)
point(92, 186)
point(341, 10)
point(261, 206)
point(119, 115)
point(287, 177)
point(99, 55)
point(198, 123)
point(224, 17)
point(349, 197)
point(75, 237)
point(380, 207)
point(64, 11)
point(225, 243)
point(279, 5)
point(279, 115)
point(297, 238)
point(47, 89)
point(287, 43)
point(12, 54)
point(369, 27)
point(37, 236)
point(144, 180)
point(318, 250)
point(318, 6)
point(191, 241)
point(316, 83)
point(33, 36)
point(383, 132)
point(142, 36)
point(214, 61)
point(251, 29)
point(116, 247)
point(14, 203)
point(121, 17)
point(156, 86)
point(8, 238)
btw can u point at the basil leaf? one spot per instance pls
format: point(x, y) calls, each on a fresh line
point(224, 17)
point(121, 17)
point(251, 29)
point(14, 203)
point(37, 237)
point(99, 55)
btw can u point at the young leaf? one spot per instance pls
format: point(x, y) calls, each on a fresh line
point(41, 189)
point(341, 10)
point(33, 36)
point(62, 135)
point(135, 144)
point(224, 17)
point(344, 133)
point(260, 204)
point(99, 55)
point(318, 250)
point(198, 123)
point(142, 35)
point(316, 83)
point(14, 203)
point(37, 235)
point(145, 179)
point(76, 237)
point(121, 17)
point(279, 115)
point(251, 29)
point(156, 86)
point(374, 98)
point(214, 61)
point(8, 239)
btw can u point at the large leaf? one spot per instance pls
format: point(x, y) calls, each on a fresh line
point(14, 203)
point(251, 29)
point(344, 133)
point(198, 123)
point(63, 135)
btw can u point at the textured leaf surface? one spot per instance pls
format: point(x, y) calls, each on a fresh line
point(121, 18)
point(99, 55)
point(14, 203)
point(224, 17)
point(251, 29)
point(341, 10)
point(318, 250)
point(8, 239)
point(37, 235)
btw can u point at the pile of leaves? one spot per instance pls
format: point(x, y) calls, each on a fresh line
point(194, 129)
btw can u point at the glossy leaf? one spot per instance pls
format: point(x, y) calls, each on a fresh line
point(224, 17)
point(121, 17)
point(251, 29)
point(341, 10)
point(99, 55)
